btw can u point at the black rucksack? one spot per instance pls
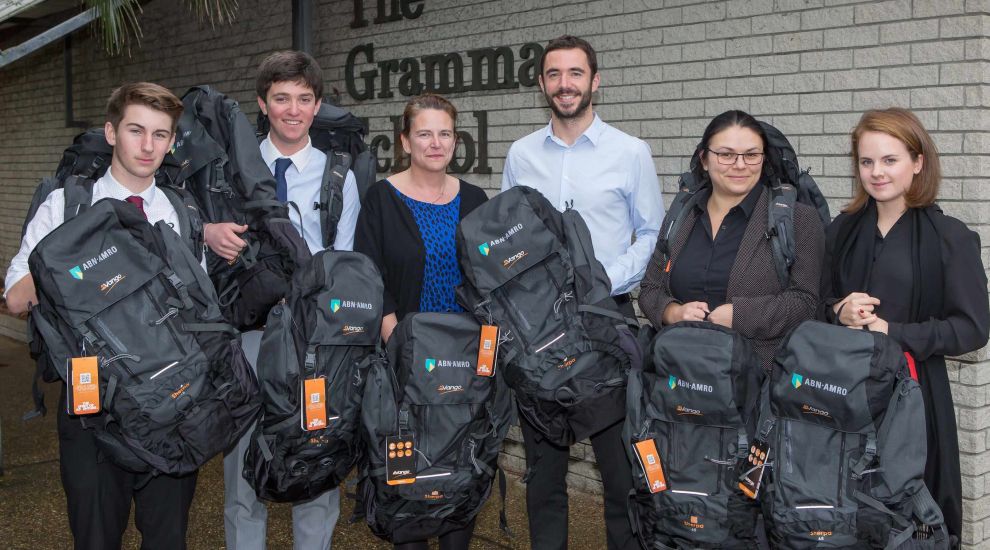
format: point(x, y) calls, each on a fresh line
point(341, 136)
point(82, 163)
point(429, 388)
point(218, 161)
point(842, 416)
point(175, 387)
point(329, 324)
point(788, 183)
point(565, 347)
point(696, 401)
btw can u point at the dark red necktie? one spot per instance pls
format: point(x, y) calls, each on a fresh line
point(138, 202)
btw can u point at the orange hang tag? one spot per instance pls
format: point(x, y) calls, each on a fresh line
point(649, 460)
point(84, 375)
point(487, 350)
point(400, 460)
point(315, 400)
point(667, 269)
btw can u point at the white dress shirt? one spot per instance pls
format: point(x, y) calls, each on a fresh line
point(51, 214)
point(303, 179)
point(606, 175)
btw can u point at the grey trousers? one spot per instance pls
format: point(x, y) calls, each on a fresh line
point(245, 517)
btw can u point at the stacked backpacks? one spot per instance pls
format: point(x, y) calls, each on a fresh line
point(428, 389)
point(565, 347)
point(174, 387)
point(325, 332)
point(837, 424)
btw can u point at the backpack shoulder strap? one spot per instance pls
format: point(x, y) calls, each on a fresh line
point(331, 203)
point(190, 220)
point(685, 199)
point(780, 228)
point(78, 195)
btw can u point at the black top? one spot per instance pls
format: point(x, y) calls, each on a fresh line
point(891, 272)
point(701, 273)
point(387, 233)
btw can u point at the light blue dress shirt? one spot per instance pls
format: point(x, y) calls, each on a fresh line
point(607, 176)
point(304, 178)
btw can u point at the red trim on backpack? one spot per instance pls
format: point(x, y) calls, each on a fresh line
point(911, 366)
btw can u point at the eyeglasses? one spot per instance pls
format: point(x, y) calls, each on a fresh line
point(730, 158)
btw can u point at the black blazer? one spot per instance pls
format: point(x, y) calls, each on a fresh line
point(761, 309)
point(388, 234)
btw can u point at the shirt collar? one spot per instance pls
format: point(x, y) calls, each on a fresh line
point(271, 153)
point(116, 190)
point(593, 133)
point(747, 205)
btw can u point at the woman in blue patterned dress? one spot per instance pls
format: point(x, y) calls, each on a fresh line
point(407, 225)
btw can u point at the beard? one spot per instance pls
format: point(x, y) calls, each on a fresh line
point(583, 103)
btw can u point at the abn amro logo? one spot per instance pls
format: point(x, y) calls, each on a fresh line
point(76, 273)
point(797, 380)
point(430, 364)
point(672, 382)
point(484, 249)
point(334, 305)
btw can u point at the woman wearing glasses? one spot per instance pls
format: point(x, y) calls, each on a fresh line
point(721, 266)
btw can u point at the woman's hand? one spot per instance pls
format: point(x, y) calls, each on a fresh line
point(878, 326)
point(722, 315)
point(856, 310)
point(691, 311)
point(388, 325)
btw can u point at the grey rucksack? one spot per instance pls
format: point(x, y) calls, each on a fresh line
point(175, 387)
point(328, 325)
point(429, 389)
point(842, 415)
point(695, 402)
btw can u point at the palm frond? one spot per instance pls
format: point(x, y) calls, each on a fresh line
point(117, 20)
point(214, 11)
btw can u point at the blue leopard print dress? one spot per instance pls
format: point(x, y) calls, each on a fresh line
point(437, 226)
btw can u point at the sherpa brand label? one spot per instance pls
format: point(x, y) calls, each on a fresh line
point(799, 380)
point(337, 303)
point(485, 248)
point(673, 382)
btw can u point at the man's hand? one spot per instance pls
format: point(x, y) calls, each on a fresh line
point(722, 315)
point(223, 240)
point(21, 294)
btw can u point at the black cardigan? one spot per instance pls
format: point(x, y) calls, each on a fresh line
point(387, 233)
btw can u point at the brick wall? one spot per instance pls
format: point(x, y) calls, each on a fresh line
point(808, 66)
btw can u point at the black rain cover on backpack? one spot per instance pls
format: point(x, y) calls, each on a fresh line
point(842, 415)
point(176, 389)
point(220, 164)
point(428, 388)
point(789, 184)
point(696, 398)
point(329, 324)
point(565, 347)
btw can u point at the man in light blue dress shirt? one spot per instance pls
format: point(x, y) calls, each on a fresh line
point(608, 176)
point(289, 87)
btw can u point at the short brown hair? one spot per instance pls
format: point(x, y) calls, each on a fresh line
point(905, 126)
point(289, 66)
point(426, 101)
point(568, 42)
point(150, 95)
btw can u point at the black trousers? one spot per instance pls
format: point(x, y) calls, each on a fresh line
point(942, 472)
point(454, 540)
point(546, 488)
point(99, 494)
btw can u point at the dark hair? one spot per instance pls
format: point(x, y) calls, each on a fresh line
point(568, 42)
point(154, 96)
point(289, 66)
point(903, 125)
point(725, 120)
point(426, 101)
